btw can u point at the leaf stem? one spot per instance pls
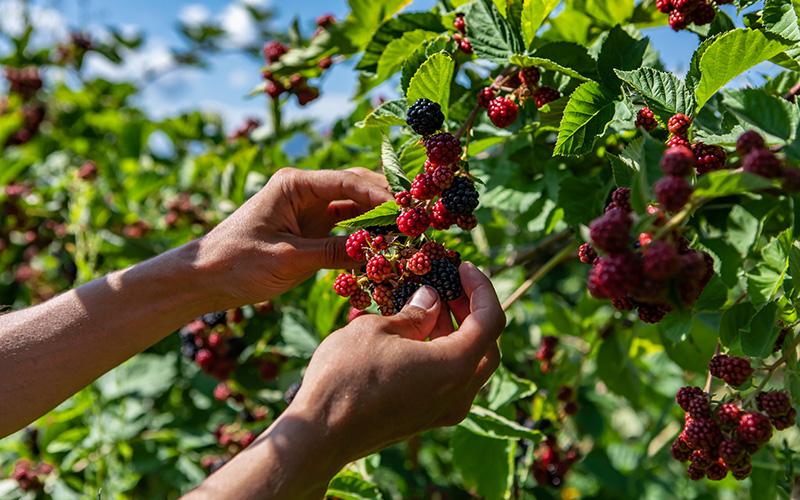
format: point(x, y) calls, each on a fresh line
point(789, 96)
point(541, 272)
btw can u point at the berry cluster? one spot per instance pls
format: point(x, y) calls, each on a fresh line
point(245, 130)
point(758, 159)
point(295, 84)
point(735, 371)
point(74, 51)
point(721, 436)
point(211, 344)
point(546, 351)
point(684, 12)
point(646, 120)
point(184, 211)
point(398, 261)
point(637, 272)
point(30, 475)
point(551, 463)
point(460, 24)
point(503, 111)
point(25, 83)
point(566, 395)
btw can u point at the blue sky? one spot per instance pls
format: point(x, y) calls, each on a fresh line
point(222, 87)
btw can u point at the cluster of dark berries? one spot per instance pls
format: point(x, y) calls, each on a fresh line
point(735, 371)
point(460, 24)
point(211, 344)
point(566, 395)
point(673, 191)
point(184, 211)
point(546, 351)
point(721, 436)
point(551, 463)
point(24, 82)
point(398, 260)
point(30, 475)
point(637, 272)
point(684, 12)
point(295, 84)
point(245, 130)
point(74, 51)
point(707, 158)
point(758, 159)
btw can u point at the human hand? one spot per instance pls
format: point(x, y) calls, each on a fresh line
point(280, 237)
point(375, 381)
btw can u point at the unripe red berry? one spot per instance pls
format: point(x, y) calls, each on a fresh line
point(702, 433)
point(378, 268)
point(357, 243)
point(672, 193)
point(440, 218)
point(443, 148)
point(419, 263)
point(645, 119)
point(360, 299)
point(774, 403)
point(785, 421)
point(704, 14)
point(610, 232)
point(442, 176)
point(587, 254)
point(660, 260)
point(685, 395)
point(728, 415)
point(717, 472)
point(460, 24)
point(680, 451)
point(754, 428)
point(664, 6)
point(423, 187)
point(404, 199)
point(530, 76)
point(433, 250)
point(678, 161)
point(749, 141)
point(544, 95)
point(709, 158)
point(413, 222)
point(345, 285)
point(616, 274)
point(677, 140)
point(502, 112)
point(762, 162)
point(485, 96)
point(679, 123)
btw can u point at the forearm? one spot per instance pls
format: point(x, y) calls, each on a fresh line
point(50, 351)
point(294, 459)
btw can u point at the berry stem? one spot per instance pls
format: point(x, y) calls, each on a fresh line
point(678, 218)
point(498, 82)
point(792, 92)
point(541, 272)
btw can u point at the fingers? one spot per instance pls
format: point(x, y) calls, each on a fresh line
point(486, 367)
point(444, 323)
point(343, 185)
point(484, 323)
point(324, 253)
point(419, 316)
point(340, 210)
point(371, 175)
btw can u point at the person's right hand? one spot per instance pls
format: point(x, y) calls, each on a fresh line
point(376, 382)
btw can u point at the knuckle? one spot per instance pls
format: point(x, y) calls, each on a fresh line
point(335, 251)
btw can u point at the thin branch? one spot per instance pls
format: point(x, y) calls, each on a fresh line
point(541, 272)
point(789, 96)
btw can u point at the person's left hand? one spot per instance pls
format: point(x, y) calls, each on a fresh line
point(280, 237)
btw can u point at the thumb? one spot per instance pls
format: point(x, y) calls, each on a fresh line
point(418, 317)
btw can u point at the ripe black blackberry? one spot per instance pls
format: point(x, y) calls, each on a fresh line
point(679, 123)
point(444, 277)
point(703, 433)
point(215, 318)
point(382, 230)
point(402, 294)
point(460, 198)
point(425, 117)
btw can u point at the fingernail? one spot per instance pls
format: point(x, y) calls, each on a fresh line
point(424, 298)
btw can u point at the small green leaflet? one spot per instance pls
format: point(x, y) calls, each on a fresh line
point(534, 12)
point(588, 113)
point(392, 169)
point(726, 183)
point(491, 35)
point(542, 63)
point(664, 93)
point(387, 114)
point(432, 81)
point(382, 215)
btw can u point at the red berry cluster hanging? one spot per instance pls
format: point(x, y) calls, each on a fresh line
point(721, 436)
point(211, 344)
point(758, 159)
point(684, 12)
point(646, 120)
point(399, 259)
point(551, 462)
point(546, 351)
point(30, 475)
point(295, 84)
point(460, 38)
point(524, 85)
point(638, 272)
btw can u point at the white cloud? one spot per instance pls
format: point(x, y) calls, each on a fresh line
point(241, 78)
point(49, 24)
point(324, 111)
point(194, 14)
point(257, 3)
point(155, 57)
point(239, 25)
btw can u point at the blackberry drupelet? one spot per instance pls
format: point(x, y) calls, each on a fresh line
point(444, 277)
point(460, 198)
point(425, 117)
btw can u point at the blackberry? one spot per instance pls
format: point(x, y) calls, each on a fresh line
point(736, 371)
point(650, 290)
point(762, 162)
point(715, 366)
point(702, 459)
point(544, 95)
point(728, 415)
point(717, 472)
point(423, 187)
point(530, 76)
point(709, 262)
point(785, 421)
point(593, 284)
point(587, 254)
point(360, 299)
point(425, 117)
point(616, 274)
point(694, 473)
point(189, 350)
point(679, 123)
point(357, 243)
point(413, 222)
point(664, 6)
point(704, 14)
point(444, 277)
point(443, 149)
point(661, 260)
point(345, 285)
point(645, 119)
point(402, 294)
point(433, 250)
point(622, 197)
point(678, 161)
point(686, 395)
point(702, 433)
point(454, 258)
point(610, 232)
point(699, 408)
point(672, 193)
point(653, 313)
point(680, 451)
point(676, 141)
point(485, 96)
point(709, 158)
point(442, 176)
point(791, 180)
point(731, 451)
point(623, 304)
point(502, 112)
point(381, 230)
point(460, 198)
point(215, 318)
point(378, 268)
point(441, 219)
point(754, 428)
point(404, 199)
point(382, 295)
point(467, 222)
point(743, 473)
point(274, 50)
point(678, 20)
point(774, 403)
point(749, 141)
point(236, 346)
point(685, 7)
point(419, 263)
point(547, 348)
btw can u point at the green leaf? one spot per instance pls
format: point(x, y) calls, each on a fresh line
point(432, 81)
point(644, 156)
point(392, 169)
point(485, 422)
point(781, 17)
point(366, 15)
point(620, 51)
point(616, 370)
point(759, 340)
point(349, 485)
point(387, 114)
point(505, 387)
point(399, 50)
point(298, 333)
point(677, 324)
point(382, 215)
point(726, 183)
point(534, 12)
point(764, 281)
point(411, 65)
point(769, 113)
point(609, 12)
point(394, 29)
point(582, 198)
point(623, 170)
point(486, 465)
point(735, 320)
point(664, 93)
point(693, 75)
point(145, 375)
point(588, 113)
point(550, 114)
point(730, 55)
point(491, 35)
point(547, 64)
